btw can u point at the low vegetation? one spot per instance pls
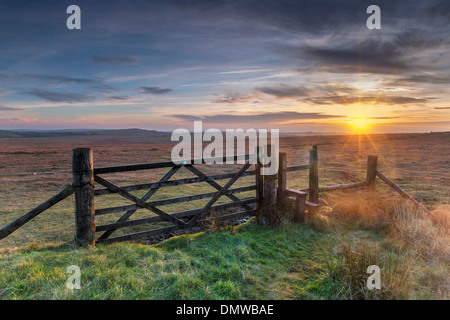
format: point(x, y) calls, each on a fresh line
point(325, 258)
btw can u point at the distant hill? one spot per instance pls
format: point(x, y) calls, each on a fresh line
point(82, 132)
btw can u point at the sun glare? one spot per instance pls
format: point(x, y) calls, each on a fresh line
point(360, 123)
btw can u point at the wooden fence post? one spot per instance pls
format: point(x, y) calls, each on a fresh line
point(282, 161)
point(259, 180)
point(83, 182)
point(314, 175)
point(270, 188)
point(371, 171)
point(300, 207)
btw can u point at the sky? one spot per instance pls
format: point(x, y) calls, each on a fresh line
point(305, 66)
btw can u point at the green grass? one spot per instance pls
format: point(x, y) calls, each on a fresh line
point(249, 262)
point(296, 261)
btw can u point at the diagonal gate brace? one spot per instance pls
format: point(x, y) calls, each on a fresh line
point(145, 197)
point(139, 201)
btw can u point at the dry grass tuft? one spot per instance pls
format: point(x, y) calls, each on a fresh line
point(369, 209)
point(350, 272)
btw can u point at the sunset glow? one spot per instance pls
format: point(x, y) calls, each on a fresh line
point(157, 65)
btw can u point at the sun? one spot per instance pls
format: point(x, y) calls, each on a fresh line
point(359, 123)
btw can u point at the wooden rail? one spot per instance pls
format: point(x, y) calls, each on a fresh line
point(167, 164)
point(402, 192)
point(13, 226)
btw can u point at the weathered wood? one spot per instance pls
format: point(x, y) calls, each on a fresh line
point(300, 207)
point(312, 205)
point(344, 186)
point(314, 175)
point(101, 192)
point(146, 196)
point(218, 194)
point(402, 192)
point(163, 164)
point(16, 224)
point(299, 198)
point(138, 201)
point(270, 191)
point(212, 183)
point(181, 214)
point(282, 165)
point(83, 182)
point(371, 171)
point(170, 201)
point(293, 192)
point(259, 180)
point(297, 168)
point(154, 232)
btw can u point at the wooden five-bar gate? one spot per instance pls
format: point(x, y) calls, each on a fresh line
point(179, 220)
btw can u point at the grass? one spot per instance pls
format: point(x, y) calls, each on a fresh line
point(325, 258)
point(246, 262)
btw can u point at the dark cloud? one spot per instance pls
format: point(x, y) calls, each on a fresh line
point(440, 10)
point(233, 98)
point(420, 78)
point(299, 17)
point(120, 61)
point(49, 79)
point(416, 40)
point(284, 91)
point(442, 108)
point(104, 88)
point(2, 108)
point(268, 117)
point(120, 97)
point(154, 90)
point(344, 100)
point(370, 56)
point(53, 96)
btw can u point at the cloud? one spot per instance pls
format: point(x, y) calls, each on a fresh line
point(442, 108)
point(233, 98)
point(268, 117)
point(284, 91)
point(69, 97)
point(153, 90)
point(370, 56)
point(420, 78)
point(104, 88)
point(120, 97)
point(440, 10)
point(49, 79)
point(117, 60)
point(2, 108)
point(346, 100)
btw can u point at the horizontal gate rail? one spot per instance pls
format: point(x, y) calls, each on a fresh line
point(101, 192)
point(169, 201)
point(154, 232)
point(181, 214)
point(297, 168)
point(166, 164)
